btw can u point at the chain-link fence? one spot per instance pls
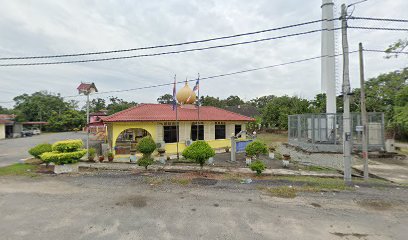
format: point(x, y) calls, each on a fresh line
point(324, 132)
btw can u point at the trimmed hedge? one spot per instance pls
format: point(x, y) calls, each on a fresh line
point(145, 162)
point(40, 149)
point(257, 166)
point(199, 151)
point(60, 158)
point(146, 146)
point(255, 148)
point(67, 145)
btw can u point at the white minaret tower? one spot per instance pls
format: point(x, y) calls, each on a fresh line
point(328, 78)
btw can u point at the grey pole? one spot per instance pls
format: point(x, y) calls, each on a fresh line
point(363, 113)
point(87, 125)
point(233, 149)
point(346, 98)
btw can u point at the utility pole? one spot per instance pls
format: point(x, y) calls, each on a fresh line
point(87, 124)
point(346, 98)
point(364, 141)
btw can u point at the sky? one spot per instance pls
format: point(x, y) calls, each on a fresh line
point(48, 27)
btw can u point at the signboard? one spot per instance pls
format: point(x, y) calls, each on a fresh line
point(359, 128)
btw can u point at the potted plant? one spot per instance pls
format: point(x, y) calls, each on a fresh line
point(132, 158)
point(91, 154)
point(101, 158)
point(161, 151)
point(286, 156)
point(272, 150)
point(227, 148)
point(111, 156)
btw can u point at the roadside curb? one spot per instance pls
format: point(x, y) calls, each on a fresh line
point(218, 170)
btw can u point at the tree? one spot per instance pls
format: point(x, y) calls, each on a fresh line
point(394, 49)
point(211, 101)
point(66, 121)
point(4, 110)
point(39, 106)
point(97, 105)
point(165, 99)
point(117, 104)
point(261, 102)
point(276, 112)
point(233, 101)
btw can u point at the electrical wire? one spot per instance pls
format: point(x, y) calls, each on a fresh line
point(167, 45)
point(380, 19)
point(384, 51)
point(378, 28)
point(166, 53)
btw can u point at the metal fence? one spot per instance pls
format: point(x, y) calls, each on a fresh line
point(324, 132)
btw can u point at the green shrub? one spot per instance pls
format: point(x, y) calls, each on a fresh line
point(67, 145)
point(255, 148)
point(40, 149)
point(60, 158)
point(257, 166)
point(146, 146)
point(92, 153)
point(278, 156)
point(110, 154)
point(145, 161)
point(199, 151)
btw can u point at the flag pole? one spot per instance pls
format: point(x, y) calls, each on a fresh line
point(177, 125)
point(198, 106)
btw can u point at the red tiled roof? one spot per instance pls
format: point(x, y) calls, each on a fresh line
point(7, 116)
point(164, 112)
point(4, 121)
point(86, 86)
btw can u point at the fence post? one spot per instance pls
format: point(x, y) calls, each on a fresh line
point(233, 149)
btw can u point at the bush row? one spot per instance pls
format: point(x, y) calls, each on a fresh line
point(40, 149)
point(62, 157)
point(67, 145)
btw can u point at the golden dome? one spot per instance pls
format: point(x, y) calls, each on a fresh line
point(186, 95)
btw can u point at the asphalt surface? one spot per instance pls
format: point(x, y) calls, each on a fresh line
point(12, 150)
point(128, 206)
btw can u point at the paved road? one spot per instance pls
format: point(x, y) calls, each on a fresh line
point(12, 150)
point(125, 206)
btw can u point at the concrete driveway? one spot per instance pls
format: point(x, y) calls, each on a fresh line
point(12, 150)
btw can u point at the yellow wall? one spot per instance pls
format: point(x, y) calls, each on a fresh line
point(2, 131)
point(155, 129)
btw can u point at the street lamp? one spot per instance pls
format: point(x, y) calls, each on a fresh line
point(87, 89)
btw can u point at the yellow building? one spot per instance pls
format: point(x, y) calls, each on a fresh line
point(167, 124)
point(2, 130)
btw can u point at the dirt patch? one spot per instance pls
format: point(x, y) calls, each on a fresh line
point(204, 181)
point(316, 205)
point(357, 235)
point(134, 201)
point(375, 204)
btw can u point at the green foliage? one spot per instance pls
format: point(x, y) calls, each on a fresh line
point(395, 48)
point(145, 161)
point(60, 158)
point(19, 169)
point(275, 114)
point(146, 146)
point(66, 121)
point(258, 166)
point(278, 156)
point(110, 155)
point(199, 151)
point(116, 105)
point(92, 153)
point(165, 99)
point(40, 149)
point(67, 145)
point(256, 148)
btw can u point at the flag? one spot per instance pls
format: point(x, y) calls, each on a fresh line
point(197, 85)
point(174, 94)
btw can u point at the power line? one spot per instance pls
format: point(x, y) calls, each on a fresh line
point(383, 51)
point(221, 75)
point(378, 28)
point(165, 53)
point(380, 19)
point(167, 45)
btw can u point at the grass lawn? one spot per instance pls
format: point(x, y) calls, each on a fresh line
point(270, 138)
point(19, 169)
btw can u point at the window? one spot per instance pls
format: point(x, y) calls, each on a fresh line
point(238, 129)
point(170, 134)
point(220, 131)
point(194, 132)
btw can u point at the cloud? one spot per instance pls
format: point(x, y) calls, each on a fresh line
point(55, 27)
